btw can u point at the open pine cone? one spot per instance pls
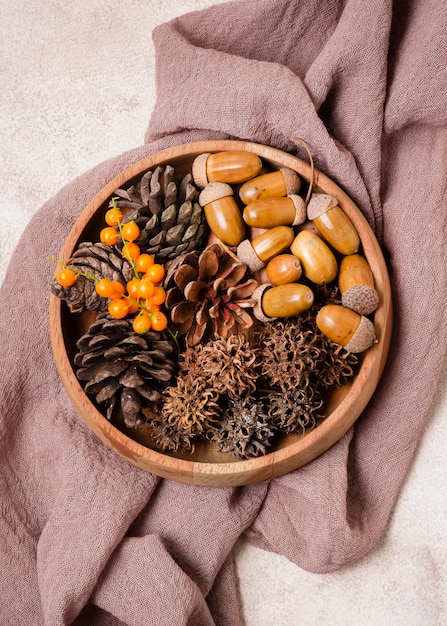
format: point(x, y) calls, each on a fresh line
point(208, 294)
point(119, 367)
point(170, 219)
point(99, 261)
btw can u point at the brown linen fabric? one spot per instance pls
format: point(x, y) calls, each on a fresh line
point(88, 538)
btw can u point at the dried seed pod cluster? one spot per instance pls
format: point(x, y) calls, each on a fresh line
point(302, 248)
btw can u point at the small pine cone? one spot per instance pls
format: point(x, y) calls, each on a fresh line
point(170, 219)
point(99, 261)
point(209, 294)
point(120, 368)
point(296, 410)
point(245, 431)
point(189, 410)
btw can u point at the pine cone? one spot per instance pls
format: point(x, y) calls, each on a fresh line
point(170, 219)
point(245, 431)
point(208, 294)
point(99, 261)
point(123, 368)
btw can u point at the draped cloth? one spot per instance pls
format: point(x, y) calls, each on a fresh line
point(89, 539)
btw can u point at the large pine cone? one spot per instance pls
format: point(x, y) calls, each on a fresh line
point(170, 219)
point(122, 368)
point(208, 294)
point(99, 261)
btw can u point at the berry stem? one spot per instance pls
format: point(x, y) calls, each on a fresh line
point(113, 205)
point(74, 269)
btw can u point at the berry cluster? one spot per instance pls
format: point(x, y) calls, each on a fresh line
point(143, 295)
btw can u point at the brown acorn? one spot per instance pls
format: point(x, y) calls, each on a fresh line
point(271, 212)
point(229, 166)
point(333, 223)
point(283, 182)
point(283, 269)
point(256, 253)
point(222, 213)
point(318, 262)
point(356, 284)
point(346, 328)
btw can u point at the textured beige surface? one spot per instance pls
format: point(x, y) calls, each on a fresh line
point(77, 87)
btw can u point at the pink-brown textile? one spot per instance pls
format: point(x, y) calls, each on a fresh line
point(87, 538)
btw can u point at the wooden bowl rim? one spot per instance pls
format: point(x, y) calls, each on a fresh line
point(278, 462)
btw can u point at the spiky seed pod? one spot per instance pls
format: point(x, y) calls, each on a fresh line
point(209, 294)
point(230, 366)
point(189, 410)
point(99, 261)
point(118, 367)
point(167, 211)
point(245, 431)
point(296, 410)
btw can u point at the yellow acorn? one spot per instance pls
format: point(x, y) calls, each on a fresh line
point(283, 269)
point(333, 223)
point(317, 260)
point(229, 166)
point(222, 213)
point(256, 253)
point(270, 212)
point(356, 284)
point(346, 328)
point(283, 182)
point(281, 301)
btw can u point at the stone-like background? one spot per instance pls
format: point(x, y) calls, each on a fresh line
point(77, 87)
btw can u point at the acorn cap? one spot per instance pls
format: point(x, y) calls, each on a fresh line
point(320, 203)
point(198, 169)
point(213, 192)
point(257, 309)
point(247, 255)
point(291, 180)
point(363, 338)
point(363, 299)
point(300, 209)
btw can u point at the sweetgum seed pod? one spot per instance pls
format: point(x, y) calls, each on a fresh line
point(271, 212)
point(222, 213)
point(356, 284)
point(229, 166)
point(333, 223)
point(346, 328)
point(317, 260)
point(283, 182)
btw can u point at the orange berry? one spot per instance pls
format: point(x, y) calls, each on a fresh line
point(151, 307)
point(118, 290)
point(109, 236)
point(144, 262)
point(118, 308)
point(132, 288)
point(159, 321)
point(130, 231)
point(66, 277)
point(159, 296)
point(146, 288)
point(133, 306)
point(130, 251)
point(156, 273)
point(142, 323)
point(113, 216)
point(105, 288)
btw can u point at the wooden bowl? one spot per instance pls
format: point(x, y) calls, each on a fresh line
point(207, 466)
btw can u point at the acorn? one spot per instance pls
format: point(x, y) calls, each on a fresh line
point(356, 284)
point(222, 213)
point(283, 269)
point(281, 301)
point(230, 166)
point(333, 223)
point(270, 212)
point(317, 260)
point(346, 328)
point(283, 182)
point(256, 253)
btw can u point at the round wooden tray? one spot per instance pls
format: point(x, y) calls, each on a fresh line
point(207, 466)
